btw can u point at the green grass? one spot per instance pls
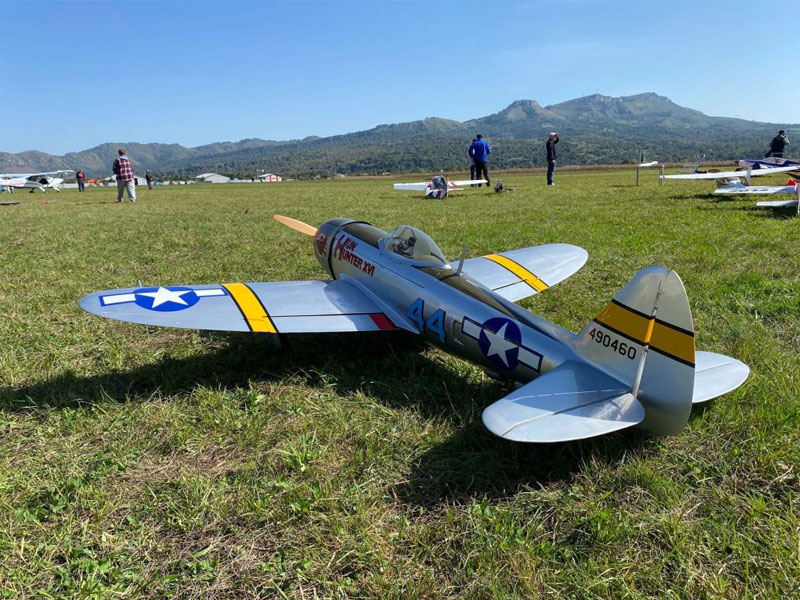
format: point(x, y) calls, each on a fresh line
point(146, 462)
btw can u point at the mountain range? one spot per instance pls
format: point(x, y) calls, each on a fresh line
point(594, 129)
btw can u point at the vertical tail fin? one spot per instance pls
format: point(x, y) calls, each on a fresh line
point(645, 338)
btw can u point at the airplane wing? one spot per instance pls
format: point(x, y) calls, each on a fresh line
point(727, 174)
point(412, 187)
point(572, 402)
point(778, 203)
point(277, 307)
point(15, 175)
point(521, 273)
point(466, 182)
point(755, 189)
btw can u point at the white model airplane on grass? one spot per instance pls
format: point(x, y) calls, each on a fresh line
point(438, 187)
point(729, 182)
point(34, 181)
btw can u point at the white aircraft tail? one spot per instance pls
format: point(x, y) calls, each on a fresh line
point(645, 338)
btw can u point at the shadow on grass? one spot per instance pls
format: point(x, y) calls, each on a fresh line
point(474, 463)
point(393, 370)
point(379, 364)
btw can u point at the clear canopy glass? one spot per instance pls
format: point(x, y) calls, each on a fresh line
point(414, 244)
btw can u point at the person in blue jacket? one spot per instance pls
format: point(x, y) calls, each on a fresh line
point(479, 151)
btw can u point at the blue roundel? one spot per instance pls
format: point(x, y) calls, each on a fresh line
point(499, 341)
point(165, 299)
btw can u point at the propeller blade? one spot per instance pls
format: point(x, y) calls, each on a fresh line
point(296, 225)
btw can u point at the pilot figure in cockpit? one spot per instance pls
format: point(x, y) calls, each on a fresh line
point(406, 248)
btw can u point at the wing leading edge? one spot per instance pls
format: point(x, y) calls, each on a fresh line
point(518, 274)
point(275, 307)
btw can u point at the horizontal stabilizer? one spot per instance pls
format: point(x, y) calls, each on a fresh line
point(573, 401)
point(716, 374)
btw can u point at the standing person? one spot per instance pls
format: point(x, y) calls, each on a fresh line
point(480, 151)
point(149, 177)
point(124, 172)
point(551, 157)
point(80, 177)
point(777, 145)
point(471, 160)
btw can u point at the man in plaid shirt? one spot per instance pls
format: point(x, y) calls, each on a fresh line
point(124, 172)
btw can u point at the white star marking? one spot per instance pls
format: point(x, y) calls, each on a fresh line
point(498, 344)
point(164, 295)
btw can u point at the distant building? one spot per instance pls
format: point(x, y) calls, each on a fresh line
point(270, 178)
point(212, 178)
point(138, 179)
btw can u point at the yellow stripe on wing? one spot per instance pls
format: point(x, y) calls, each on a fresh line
point(518, 270)
point(253, 311)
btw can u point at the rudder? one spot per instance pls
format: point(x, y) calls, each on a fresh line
point(645, 338)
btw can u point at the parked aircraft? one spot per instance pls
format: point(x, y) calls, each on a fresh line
point(34, 181)
point(438, 187)
point(634, 364)
point(729, 182)
point(769, 163)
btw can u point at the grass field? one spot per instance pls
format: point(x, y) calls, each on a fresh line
point(146, 462)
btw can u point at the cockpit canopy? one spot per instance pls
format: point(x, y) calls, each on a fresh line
point(413, 244)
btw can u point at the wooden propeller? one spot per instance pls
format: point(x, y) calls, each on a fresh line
point(297, 225)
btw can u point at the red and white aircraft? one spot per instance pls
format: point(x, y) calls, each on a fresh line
point(438, 187)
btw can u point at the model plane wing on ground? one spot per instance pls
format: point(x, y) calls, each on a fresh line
point(737, 189)
point(277, 307)
point(518, 274)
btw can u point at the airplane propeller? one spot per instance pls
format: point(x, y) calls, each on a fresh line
point(296, 225)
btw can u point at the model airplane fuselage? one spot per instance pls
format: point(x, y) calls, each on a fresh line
point(634, 364)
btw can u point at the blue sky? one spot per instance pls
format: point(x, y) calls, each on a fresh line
point(75, 74)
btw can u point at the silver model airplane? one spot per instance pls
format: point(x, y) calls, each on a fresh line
point(34, 181)
point(438, 187)
point(634, 364)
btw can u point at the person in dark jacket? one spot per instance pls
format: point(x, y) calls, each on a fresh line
point(471, 160)
point(479, 151)
point(777, 144)
point(551, 157)
point(80, 177)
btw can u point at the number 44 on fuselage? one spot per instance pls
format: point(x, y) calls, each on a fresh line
point(634, 364)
